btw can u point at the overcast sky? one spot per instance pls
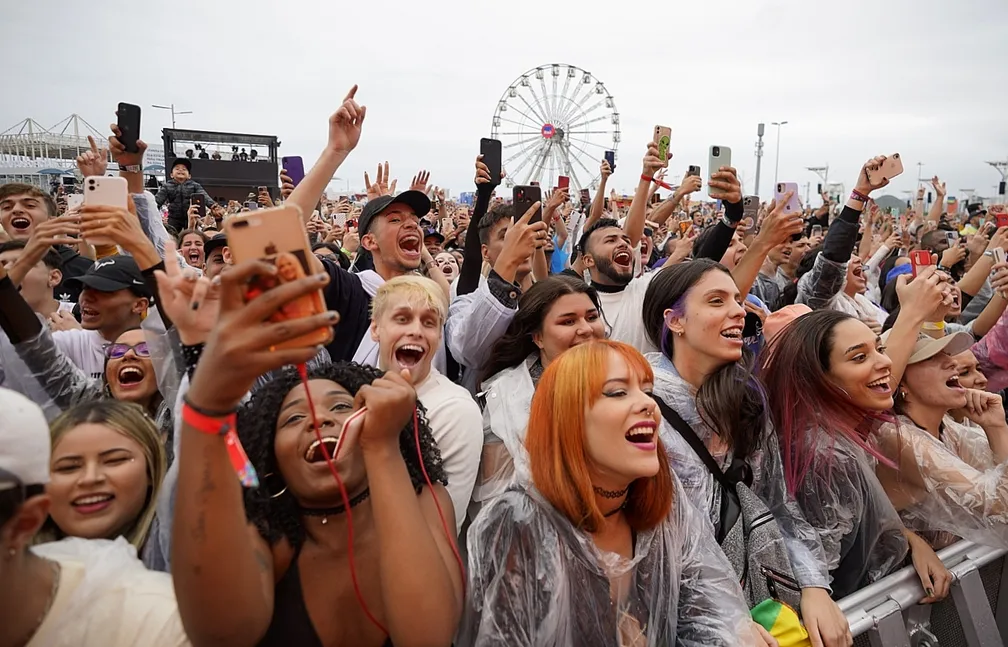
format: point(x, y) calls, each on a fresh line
point(926, 78)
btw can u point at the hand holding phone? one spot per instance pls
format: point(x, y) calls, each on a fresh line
point(794, 202)
point(278, 237)
point(294, 167)
point(610, 157)
point(884, 173)
point(128, 121)
point(663, 138)
point(105, 191)
point(919, 259)
point(523, 197)
point(490, 149)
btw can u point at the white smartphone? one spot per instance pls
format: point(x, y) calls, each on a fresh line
point(75, 200)
point(105, 191)
point(794, 204)
point(719, 156)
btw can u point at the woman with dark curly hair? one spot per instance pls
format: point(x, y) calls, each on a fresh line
point(344, 551)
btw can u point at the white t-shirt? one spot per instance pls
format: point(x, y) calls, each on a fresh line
point(457, 425)
point(85, 348)
point(623, 313)
point(106, 598)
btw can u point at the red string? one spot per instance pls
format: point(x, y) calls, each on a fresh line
point(303, 371)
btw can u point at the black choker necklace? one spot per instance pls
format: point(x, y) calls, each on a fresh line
point(335, 510)
point(612, 512)
point(610, 494)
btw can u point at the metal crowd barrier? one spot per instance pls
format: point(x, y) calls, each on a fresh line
point(975, 614)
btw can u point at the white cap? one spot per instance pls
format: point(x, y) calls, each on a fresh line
point(24, 438)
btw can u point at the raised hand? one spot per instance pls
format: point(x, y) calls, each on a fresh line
point(604, 169)
point(779, 226)
point(390, 402)
point(286, 185)
point(652, 162)
point(690, 184)
point(520, 241)
point(380, 186)
point(191, 301)
point(724, 185)
point(244, 344)
point(121, 156)
point(93, 162)
point(345, 124)
point(939, 187)
point(864, 185)
point(420, 182)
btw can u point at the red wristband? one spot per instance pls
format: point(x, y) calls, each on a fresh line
point(211, 425)
point(860, 197)
point(647, 178)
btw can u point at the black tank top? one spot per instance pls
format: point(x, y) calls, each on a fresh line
point(290, 624)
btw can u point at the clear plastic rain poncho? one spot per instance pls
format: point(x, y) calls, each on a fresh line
point(109, 598)
point(842, 498)
point(808, 561)
point(947, 488)
point(535, 580)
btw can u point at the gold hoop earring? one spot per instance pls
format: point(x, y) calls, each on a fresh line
point(278, 494)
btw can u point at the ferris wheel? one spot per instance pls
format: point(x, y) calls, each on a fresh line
point(555, 120)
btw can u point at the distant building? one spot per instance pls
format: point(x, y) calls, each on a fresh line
point(34, 154)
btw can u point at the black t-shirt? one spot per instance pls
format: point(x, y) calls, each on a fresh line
point(346, 295)
point(74, 266)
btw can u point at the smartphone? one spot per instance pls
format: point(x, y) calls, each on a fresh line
point(610, 156)
point(890, 168)
point(563, 182)
point(920, 258)
point(816, 230)
point(693, 171)
point(278, 237)
point(794, 204)
point(490, 149)
point(251, 205)
point(684, 227)
point(750, 206)
point(1001, 219)
point(74, 200)
point(663, 137)
point(446, 225)
point(999, 255)
point(107, 191)
point(952, 238)
point(128, 120)
point(197, 199)
point(719, 156)
point(294, 167)
point(523, 197)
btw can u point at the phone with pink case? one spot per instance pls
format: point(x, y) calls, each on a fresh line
point(794, 203)
point(105, 191)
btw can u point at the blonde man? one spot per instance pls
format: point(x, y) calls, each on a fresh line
point(407, 322)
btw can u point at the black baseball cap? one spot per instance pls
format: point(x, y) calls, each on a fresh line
point(184, 161)
point(113, 273)
point(415, 200)
point(430, 232)
point(218, 241)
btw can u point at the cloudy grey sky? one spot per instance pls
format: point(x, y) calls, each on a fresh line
point(926, 78)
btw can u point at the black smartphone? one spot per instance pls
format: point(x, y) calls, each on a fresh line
point(490, 149)
point(128, 120)
point(523, 198)
point(610, 156)
point(197, 199)
point(694, 170)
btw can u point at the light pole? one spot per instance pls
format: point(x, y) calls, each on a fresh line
point(777, 153)
point(759, 155)
point(173, 112)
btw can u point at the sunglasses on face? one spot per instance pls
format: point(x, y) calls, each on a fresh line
point(116, 351)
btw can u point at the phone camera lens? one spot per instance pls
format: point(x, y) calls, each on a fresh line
point(717, 151)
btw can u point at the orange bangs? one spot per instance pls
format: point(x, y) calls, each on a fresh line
point(569, 387)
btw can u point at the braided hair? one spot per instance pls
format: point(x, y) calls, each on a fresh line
point(277, 516)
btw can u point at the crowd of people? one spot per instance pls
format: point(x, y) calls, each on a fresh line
point(650, 421)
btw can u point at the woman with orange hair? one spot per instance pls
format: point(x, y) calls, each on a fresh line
point(599, 548)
